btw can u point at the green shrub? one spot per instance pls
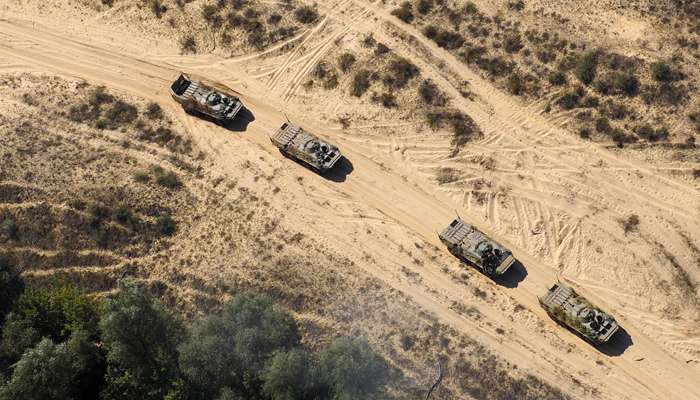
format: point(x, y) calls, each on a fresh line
point(168, 179)
point(11, 285)
point(661, 71)
point(602, 125)
point(512, 43)
point(154, 111)
point(424, 6)
point(289, 375)
point(346, 61)
point(141, 338)
point(360, 83)
point(141, 176)
point(626, 83)
point(584, 133)
point(400, 72)
point(306, 14)
point(165, 224)
point(557, 78)
point(404, 12)
point(8, 228)
point(352, 369)
point(648, 132)
point(56, 371)
point(188, 45)
point(232, 349)
point(585, 68)
point(431, 94)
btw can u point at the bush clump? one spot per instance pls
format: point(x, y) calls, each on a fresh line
point(648, 132)
point(557, 78)
point(306, 14)
point(361, 81)
point(661, 71)
point(626, 83)
point(463, 126)
point(585, 68)
point(400, 72)
point(443, 37)
point(346, 61)
point(168, 179)
point(404, 12)
point(431, 94)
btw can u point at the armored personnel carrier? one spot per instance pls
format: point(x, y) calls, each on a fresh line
point(197, 97)
point(296, 143)
point(470, 244)
point(564, 305)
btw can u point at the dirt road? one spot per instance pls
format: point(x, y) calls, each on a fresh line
point(578, 191)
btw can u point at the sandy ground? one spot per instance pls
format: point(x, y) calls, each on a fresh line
point(555, 200)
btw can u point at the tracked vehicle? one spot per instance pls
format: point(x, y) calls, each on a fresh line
point(296, 143)
point(197, 97)
point(469, 244)
point(567, 307)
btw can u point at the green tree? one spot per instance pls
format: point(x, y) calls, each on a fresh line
point(351, 369)
point(585, 68)
point(141, 339)
point(53, 371)
point(232, 350)
point(288, 376)
point(11, 286)
point(54, 313)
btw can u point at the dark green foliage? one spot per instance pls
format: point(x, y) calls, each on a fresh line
point(55, 313)
point(154, 111)
point(400, 72)
point(585, 68)
point(661, 71)
point(512, 43)
point(306, 14)
point(648, 132)
point(557, 78)
point(404, 12)
point(515, 84)
point(462, 125)
point(431, 94)
point(210, 13)
point(584, 133)
point(570, 99)
point(381, 49)
point(141, 338)
point(360, 83)
point(614, 110)
point(168, 179)
point(188, 45)
point(424, 6)
point(602, 125)
point(165, 224)
point(625, 82)
point(158, 8)
point(51, 371)
point(232, 349)
point(351, 369)
point(289, 375)
point(346, 61)
point(695, 119)
point(11, 286)
point(387, 100)
point(443, 37)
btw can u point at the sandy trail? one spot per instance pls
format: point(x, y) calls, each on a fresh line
point(548, 157)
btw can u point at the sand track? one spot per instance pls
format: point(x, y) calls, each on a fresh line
point(553, 199)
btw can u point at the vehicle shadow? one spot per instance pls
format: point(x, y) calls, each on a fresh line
point(340, 170)
point(240, 123)
point(515, 274)
point(620, 342)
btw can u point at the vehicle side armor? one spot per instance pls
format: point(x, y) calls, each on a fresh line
point(564, 305)
point(468, 243)
point(294, 142)
point(205, 98)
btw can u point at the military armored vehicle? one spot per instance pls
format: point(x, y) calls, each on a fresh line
point(197, 97)
point(567, 307)
point(296, 143)
point(470, 244)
